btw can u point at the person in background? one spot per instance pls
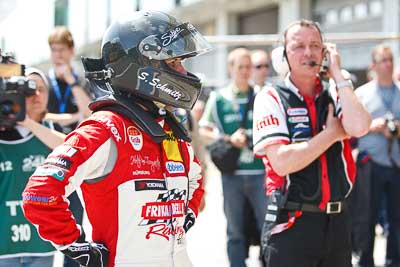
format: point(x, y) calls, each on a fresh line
point(22, 148)
point(381, 98)
point(141, 182)
point(301, 129)
point(68, 101)
point(223, 116)
point(260, 61)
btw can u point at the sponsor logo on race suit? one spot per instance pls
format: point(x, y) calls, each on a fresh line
point(65, 150)
point(135, 137)
point(111, 126)
point(50, 171)
point(145, 162)
point(59, 162)
point(160, 216)
point(174, 167)
point(150, 185)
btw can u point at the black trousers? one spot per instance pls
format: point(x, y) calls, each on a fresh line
point(384, 181)
point(315, 240)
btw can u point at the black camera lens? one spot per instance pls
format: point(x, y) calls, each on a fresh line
point(8, 108)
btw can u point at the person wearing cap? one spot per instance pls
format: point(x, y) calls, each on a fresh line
point(23, 147)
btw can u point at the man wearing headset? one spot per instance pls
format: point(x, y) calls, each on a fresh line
point(301, 128)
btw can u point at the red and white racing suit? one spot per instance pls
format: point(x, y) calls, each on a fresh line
point(136, 192)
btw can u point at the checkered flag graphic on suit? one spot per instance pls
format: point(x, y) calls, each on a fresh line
point(174, 194)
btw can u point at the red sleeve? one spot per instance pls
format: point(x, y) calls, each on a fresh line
point(196, 190)
point(45, 201)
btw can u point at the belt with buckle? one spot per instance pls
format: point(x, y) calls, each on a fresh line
point(331, 207)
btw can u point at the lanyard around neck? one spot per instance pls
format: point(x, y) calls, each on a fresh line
point(62, 99)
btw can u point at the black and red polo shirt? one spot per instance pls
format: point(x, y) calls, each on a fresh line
point(282, 115)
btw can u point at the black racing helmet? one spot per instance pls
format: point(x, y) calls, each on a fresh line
point(133, 54)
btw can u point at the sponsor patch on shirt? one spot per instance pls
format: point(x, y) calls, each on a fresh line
point(298, 119)
point(266, 121)
point(135, 137)
point(163, 210)
point(50, 171)
point(65, 150)
point(140, 172)
point(59, 162)
point(171, 147)
point(173, 167)
point(301, 125)
point(297, 111)
point(145, 163)
point(150, 185)
point(298, 133)
point(39, 200)
point(160, 216)
point(111, 126)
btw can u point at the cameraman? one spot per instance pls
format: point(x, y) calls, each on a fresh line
point(22, 149)
point(381, 97)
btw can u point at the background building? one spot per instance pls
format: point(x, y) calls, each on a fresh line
point(25, 25)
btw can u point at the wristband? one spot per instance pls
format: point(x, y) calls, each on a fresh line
point(343, 84)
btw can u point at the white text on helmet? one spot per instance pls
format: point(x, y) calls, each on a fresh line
point(162, 87)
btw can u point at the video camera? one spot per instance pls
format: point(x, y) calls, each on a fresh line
point(14, 87)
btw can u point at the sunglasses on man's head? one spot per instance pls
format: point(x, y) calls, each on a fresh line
point(266, 65)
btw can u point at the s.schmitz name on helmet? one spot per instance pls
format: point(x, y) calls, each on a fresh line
point(157, 85)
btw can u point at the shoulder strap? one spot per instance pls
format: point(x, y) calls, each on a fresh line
point(249, 106)
point(144, 119)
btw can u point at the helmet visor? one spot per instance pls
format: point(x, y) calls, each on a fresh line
point(182, 41)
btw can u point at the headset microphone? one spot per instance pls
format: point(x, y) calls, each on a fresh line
point(312, 63)
point(323, 67)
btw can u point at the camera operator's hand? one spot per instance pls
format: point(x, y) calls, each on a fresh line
point(239, 138)
point(87, 254)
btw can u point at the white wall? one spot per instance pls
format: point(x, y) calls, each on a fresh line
point(25, 30)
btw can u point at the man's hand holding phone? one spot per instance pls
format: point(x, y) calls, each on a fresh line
point(332, 54)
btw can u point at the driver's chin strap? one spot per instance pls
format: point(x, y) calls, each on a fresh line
point(145, 119)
